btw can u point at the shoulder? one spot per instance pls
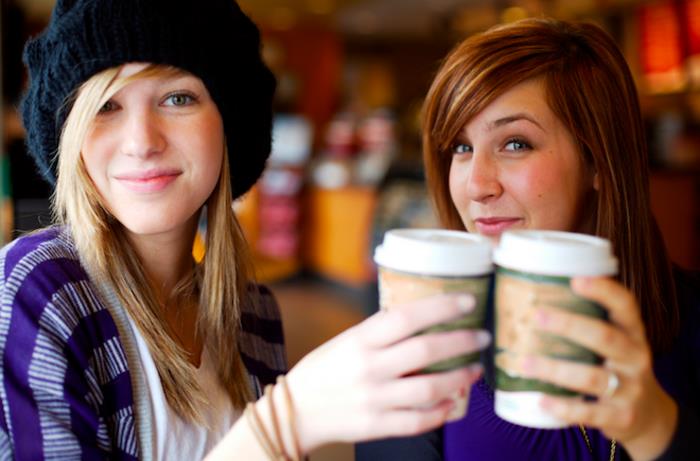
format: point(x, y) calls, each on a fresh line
point(260, 314)
point(45, 254)
point(261, 339)
point(261, 302)
point(62, 364)
point(43, 286)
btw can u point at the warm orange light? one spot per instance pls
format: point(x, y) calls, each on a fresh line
point(661, 48)
point(692, 14)
point(660, 34)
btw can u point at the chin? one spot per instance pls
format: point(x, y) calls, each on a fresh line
point(150, 225)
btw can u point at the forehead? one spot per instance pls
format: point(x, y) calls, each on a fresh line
point(526, 100)
point(151, 70)
point(132, 68)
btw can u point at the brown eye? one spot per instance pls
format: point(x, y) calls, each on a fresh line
point(109, 106)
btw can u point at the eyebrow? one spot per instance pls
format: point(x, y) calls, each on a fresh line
point(514, 118)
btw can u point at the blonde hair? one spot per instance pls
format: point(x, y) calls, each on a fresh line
point(221, 279)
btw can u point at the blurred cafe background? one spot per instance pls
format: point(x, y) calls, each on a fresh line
point(346, 164)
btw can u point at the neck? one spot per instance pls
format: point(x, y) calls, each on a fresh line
point(166, 257)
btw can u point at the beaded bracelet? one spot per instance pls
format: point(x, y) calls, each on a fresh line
point(282, 381)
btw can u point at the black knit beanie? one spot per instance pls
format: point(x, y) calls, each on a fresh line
point(212, 39)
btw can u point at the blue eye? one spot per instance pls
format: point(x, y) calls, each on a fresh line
point(179, 99)
point(461, 148)
point(517, 145)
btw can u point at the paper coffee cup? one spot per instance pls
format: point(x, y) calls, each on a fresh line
point(533, 271)
point(416, 263)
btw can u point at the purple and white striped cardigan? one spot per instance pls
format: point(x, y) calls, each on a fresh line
point(72, 384)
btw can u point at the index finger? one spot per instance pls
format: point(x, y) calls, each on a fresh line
point(392, 325)
point(622, 306)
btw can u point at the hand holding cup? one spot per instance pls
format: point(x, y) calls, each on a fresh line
point(362, 384)
point(414, 263)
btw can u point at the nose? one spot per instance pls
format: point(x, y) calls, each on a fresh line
point(483, 182)
point(142, 133)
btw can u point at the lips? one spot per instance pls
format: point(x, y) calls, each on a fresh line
point(148, 181)
point(495, 226)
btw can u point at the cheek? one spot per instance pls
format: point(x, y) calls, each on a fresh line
point(96, 165)
point(211, 171)
point(530, 185)
point(457, 188)
point(209, 158)
point(544, 192)
point(97, 151)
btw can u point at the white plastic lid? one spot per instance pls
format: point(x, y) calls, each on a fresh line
point(435, 252)
point(555, 253)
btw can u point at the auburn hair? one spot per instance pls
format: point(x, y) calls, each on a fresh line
point(590, 89)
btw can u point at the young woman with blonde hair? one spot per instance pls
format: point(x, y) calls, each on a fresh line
point(149, 115)
point(536, 125)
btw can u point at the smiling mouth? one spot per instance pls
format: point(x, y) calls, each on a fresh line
point(495, 226)
point(148, 182)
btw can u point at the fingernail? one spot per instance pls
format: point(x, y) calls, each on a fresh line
point(483, 338)
point(581, 283)
point(476, 369)
point(528, 364)
point(465, 303)
point(545, 403)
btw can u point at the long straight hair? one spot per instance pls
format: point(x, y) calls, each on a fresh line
point(590, 89)
point(219, 282)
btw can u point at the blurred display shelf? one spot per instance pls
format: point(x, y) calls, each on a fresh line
point(338, 232)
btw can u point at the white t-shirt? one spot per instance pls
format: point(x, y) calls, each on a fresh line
point(174, 438)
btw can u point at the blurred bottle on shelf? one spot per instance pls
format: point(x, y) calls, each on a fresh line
point(333, 169)
point(357, 151)
point(279, 201)
point(376, 135)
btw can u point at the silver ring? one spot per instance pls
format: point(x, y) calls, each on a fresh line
point(613, 384)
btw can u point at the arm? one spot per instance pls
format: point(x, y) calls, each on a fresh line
point(359, 385)
point(48, 386)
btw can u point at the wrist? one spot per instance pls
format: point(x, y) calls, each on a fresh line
point(652, 443)
point(277, 421)
point(289, 410)
point(265, 430)
point(309, 439)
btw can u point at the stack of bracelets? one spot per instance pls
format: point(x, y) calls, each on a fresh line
point(275, 448)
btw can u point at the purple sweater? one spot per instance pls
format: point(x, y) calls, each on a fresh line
point(71, 386)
